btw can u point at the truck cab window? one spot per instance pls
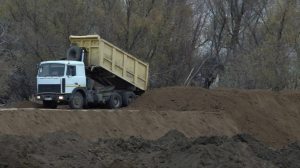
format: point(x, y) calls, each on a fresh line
point(71, 70)
point(51, 69)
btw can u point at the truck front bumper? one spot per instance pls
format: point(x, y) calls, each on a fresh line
point(53, 97)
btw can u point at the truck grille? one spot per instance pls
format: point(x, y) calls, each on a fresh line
point(54, 88)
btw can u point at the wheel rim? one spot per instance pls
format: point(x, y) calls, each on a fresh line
point(130, 99)
point(76, 101)
point(116, 102)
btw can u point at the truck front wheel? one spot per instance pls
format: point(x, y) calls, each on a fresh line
point(115, 101)
point(77, 101)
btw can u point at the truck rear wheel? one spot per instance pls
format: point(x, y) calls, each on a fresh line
point(49, 104)
point(77, 101)
point(127, 98)
point(115, 101)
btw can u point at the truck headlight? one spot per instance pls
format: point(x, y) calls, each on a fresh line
point(38, 97)
point(60, 97)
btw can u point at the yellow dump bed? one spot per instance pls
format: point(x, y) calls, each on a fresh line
point(105, 55)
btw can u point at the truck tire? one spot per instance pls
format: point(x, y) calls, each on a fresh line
point(127, 98)
point(77, 101)
point(74, 53)
point(49, 104)
point(115, 101)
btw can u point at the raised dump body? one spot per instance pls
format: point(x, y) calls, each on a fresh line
point(109, 65)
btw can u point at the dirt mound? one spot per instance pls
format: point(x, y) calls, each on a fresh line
point(174, 98)
point(268, 116)
point(198, 99)
point(27, 104)
point(236, 129)
point(61, 149)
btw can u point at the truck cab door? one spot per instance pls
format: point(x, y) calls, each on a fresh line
point(75, 77)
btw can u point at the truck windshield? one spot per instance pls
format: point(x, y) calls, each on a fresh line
point(51, 69)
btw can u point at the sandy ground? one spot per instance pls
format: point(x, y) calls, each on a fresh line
point(271, 118)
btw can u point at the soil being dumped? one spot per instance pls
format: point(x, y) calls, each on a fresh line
point(214, 128)
point(62, 149)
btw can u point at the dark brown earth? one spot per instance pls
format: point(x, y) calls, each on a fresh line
point(271, 117)
point(27, 104)
point(165, 127)
point(61, 149)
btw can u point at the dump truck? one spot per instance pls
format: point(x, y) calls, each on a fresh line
point(90, 60)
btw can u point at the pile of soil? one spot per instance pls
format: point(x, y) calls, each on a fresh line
point(237, 128)
point(182, 98)
point(270, 117)
point(61, 149)
point(27, 104)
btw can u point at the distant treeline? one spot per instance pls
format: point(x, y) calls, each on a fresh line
point(246, 44)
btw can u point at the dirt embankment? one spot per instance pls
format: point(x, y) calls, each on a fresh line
point(269, 117)
point(62, 149)
point(27, 104)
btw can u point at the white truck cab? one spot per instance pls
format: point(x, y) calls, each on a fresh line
point(58, 80)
